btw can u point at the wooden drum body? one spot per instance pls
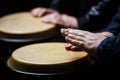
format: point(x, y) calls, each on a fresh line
point(46, 59)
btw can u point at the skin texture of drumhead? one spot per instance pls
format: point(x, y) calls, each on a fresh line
point(44, 57)
point(23, 23)
point(46, 53)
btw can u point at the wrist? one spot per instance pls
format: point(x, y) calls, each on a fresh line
point(106, 34)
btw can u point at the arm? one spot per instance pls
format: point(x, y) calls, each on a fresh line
point(114, 26)
point(110, 47)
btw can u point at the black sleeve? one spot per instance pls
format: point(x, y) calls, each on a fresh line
point(109, 53)
point(109, 49)
point(114, 26)
point(97, 12)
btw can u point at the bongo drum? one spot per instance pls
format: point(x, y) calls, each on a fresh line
point(23, 27)
point(46, 59)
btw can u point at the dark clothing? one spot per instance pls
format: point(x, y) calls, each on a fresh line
point(109, 49)
point(114, 26)
point(74, 8)
point(92, 15)
point(98, 17)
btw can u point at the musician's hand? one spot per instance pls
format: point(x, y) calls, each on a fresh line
point(61, 19)
point(84, 40)
point(52, 18)
point(40, 11)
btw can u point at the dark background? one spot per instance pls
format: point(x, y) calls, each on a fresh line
point(10, 6)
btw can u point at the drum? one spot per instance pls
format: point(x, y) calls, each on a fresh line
point(47, 59)
point(21, 28)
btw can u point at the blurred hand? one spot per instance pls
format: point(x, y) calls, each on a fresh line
point(61, 19)
point(52, 16)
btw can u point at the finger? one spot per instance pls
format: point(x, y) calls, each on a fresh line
point(76, 37)
point(68, 46)
point(64, 32)
point(75, 48)
point(34, 12)
point(46, 11)
point(77, 43)
point(45, 19)
point(75, 32)
point(48, 18)
point(41, 13)
point(78, 32)
point(55, 18)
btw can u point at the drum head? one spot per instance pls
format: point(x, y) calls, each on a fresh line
point(45, 59)
point(23, 26)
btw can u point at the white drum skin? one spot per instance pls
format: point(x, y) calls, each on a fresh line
point(46, 59)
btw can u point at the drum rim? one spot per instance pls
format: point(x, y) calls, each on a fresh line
point(63, 69)
point(32, 37)
point(36, 73)
point(13, 40)
point(17, 13)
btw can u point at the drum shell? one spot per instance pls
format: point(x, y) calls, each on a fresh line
point(77, 72)
point(73, 69)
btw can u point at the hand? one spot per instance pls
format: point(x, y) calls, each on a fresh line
point(84, 40)
point(69, 46)
point(52, 16)
point(61, 19)
point(40, 11)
